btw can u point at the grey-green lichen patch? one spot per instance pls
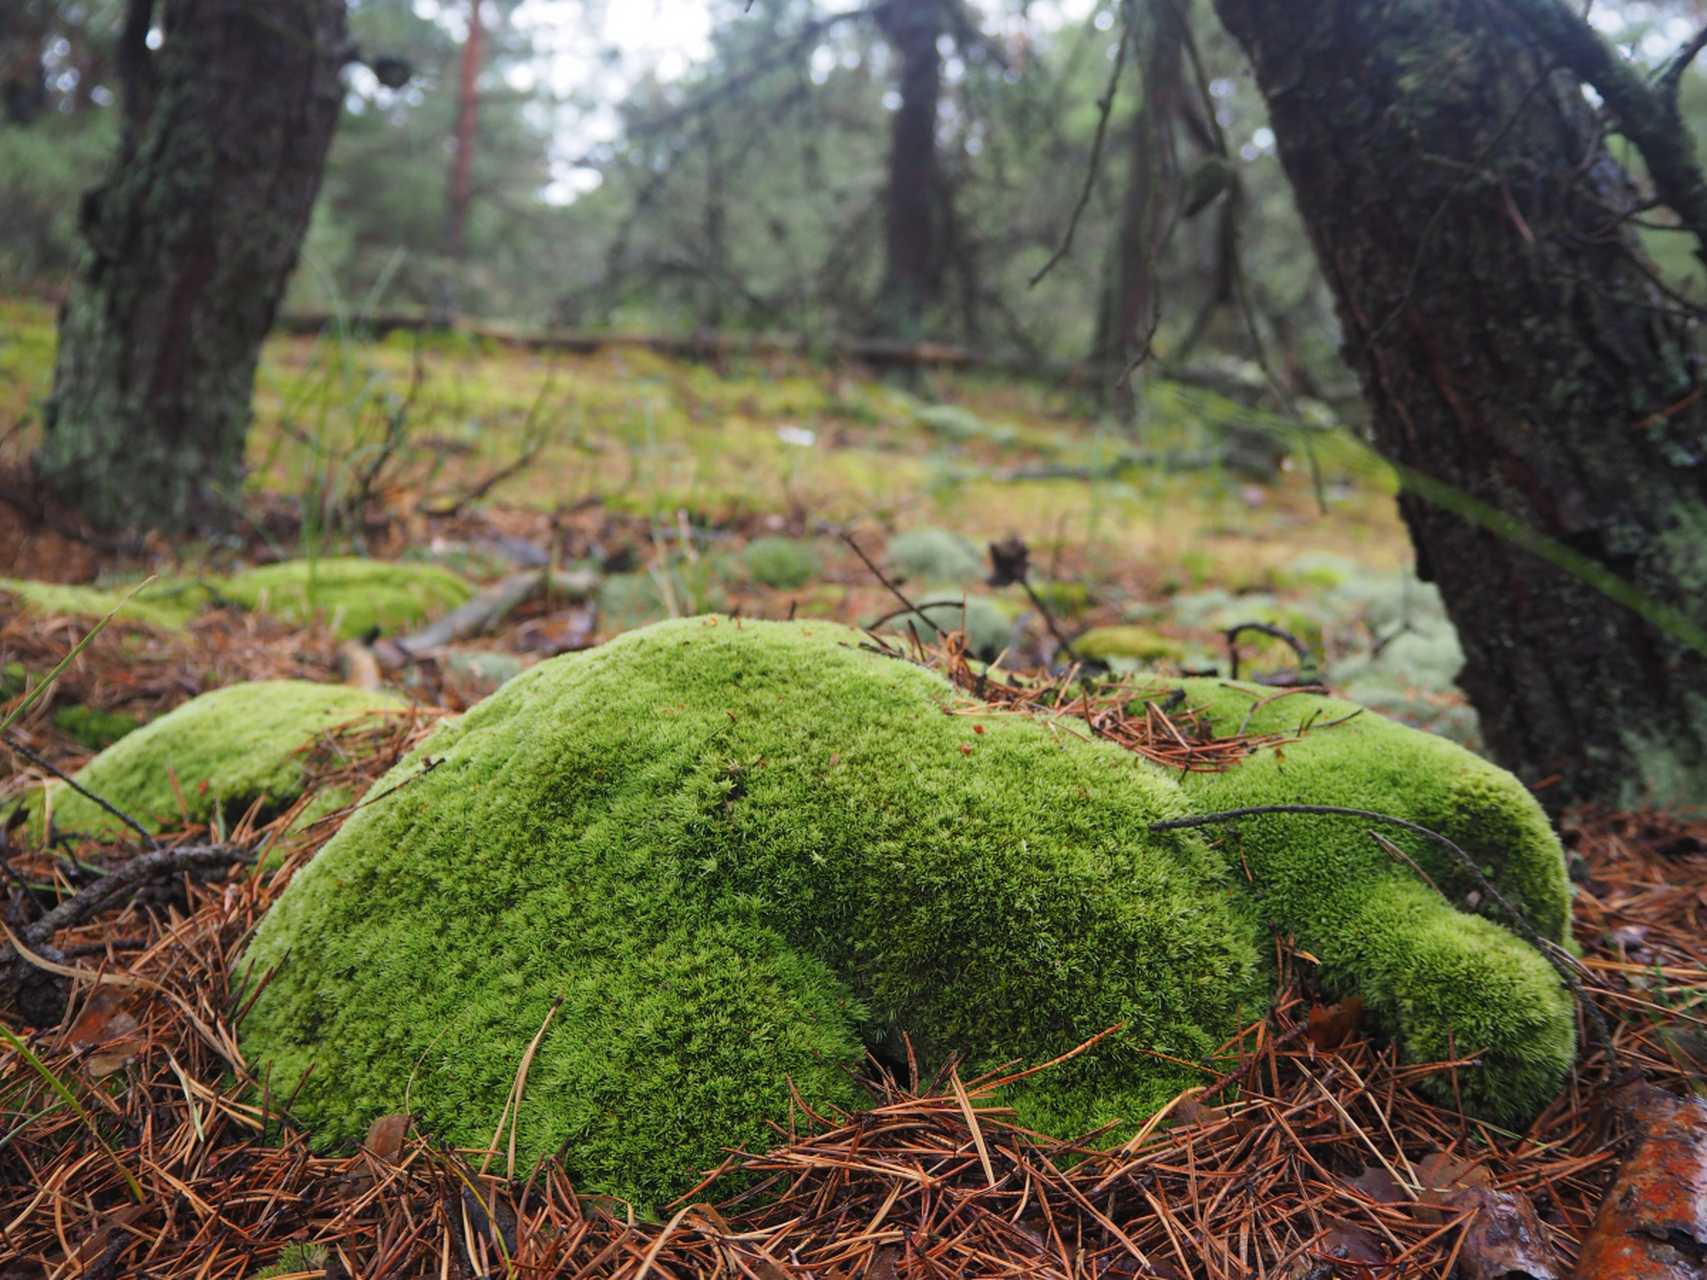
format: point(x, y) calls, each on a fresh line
point(226, 749)
point(741, 853)
point(934, 555)
point(352, 593)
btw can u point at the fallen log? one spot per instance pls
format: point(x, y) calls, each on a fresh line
point(1652, 1223)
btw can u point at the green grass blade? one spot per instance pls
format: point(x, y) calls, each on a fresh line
point(94, 631)
point(58, 1086)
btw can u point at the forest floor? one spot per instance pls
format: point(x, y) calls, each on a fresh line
point(128, 1143)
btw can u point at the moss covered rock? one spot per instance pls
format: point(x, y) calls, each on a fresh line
point(353, 593)
point(228, 748)
point(734, 856)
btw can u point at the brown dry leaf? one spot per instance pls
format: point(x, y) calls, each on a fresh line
point(385, 1137)
point(561, 633)
point(1379, 1185)
point(1189, 1111)
point(1441, 1176)
point(1348, 1242)
point(106, 1017)
point(1333, 1026)
point(107, 1024)
point(1506, 1240)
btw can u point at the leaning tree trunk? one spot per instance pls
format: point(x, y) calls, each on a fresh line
point(189, 245)
point(1511, 343)
point(912, 222)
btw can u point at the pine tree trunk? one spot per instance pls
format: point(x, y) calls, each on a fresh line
point(1511, 343)
point(912, 230)
point(189, 246)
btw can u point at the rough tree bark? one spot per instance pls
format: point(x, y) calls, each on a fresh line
point(1512, 343)
point(189, 244)
point(912, 213)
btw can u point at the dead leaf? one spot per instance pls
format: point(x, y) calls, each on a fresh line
point(1332, 1026)
point(107, 1024)
point(1380, 1185)
point(1440, 1177)
point(1189, 1111)
point(385, 1137)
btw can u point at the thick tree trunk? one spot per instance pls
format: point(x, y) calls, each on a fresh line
point(912, 230)
point(1511, 343)
point(189, 246)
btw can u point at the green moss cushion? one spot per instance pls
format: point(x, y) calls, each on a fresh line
point(227, 748)
point(1445, 982)
point(738, 855)
point(353, 593)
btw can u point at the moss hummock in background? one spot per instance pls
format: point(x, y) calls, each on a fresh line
point(166, 606)
point(227, 748)
point(354, 594)
point(740, 854)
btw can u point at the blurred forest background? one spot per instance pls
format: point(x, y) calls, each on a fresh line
point(676, 166)
point(744, 189)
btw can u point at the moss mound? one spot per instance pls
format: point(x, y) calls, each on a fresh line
point(740, 853)
point(355, 594)
point(1127, 641)
point(1439, 980)
point(780, 563)
point(227, 748)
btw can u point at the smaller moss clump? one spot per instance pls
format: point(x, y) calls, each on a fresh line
point(934, 555)
point(95, 729)
point(166, 606)
point(1127, 641)
point(781, 563)
point(227, 749)
point(353, 593)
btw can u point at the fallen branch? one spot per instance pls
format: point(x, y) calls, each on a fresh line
point(1652, 1222)
point(491, 605)
point(140, 870)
